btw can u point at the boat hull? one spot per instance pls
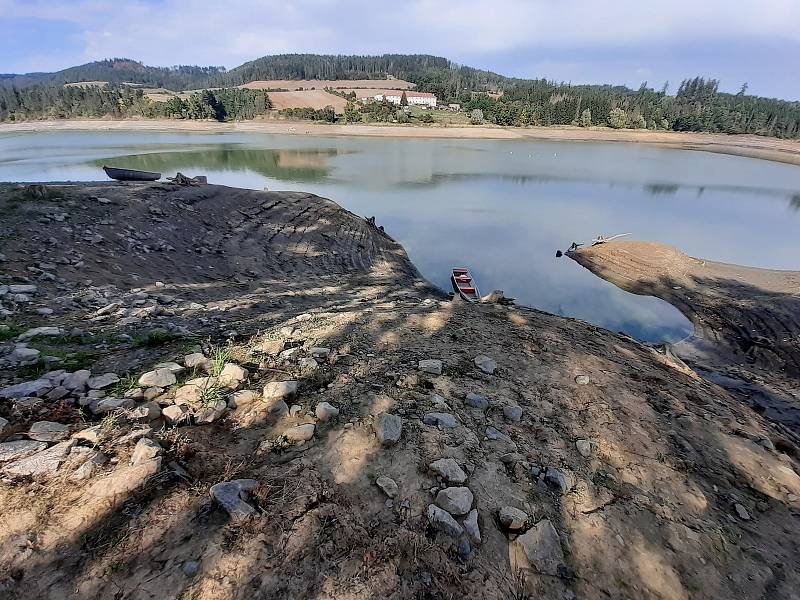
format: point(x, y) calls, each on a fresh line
point(131, 174)
point(464, 285)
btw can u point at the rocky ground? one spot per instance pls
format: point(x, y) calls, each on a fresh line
point(217, 393)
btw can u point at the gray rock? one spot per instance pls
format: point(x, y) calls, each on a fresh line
point(22, 289)
point(476, 401)
point(211, 412)
point(443, 521)
point(439, 402)
point(320, 353)
point(174, 413)
point(538, 549)
point(242, 398)
point(162, 378)
point(29, 388)
point(308, 364)
point(455, 500)
point(57, 393)
point(19, 449)
point(741, 512)
point(276, 391)
point(172, 366)
point(102, 381)
point(432, 366)
point(190, 568)
point(197, 361)
point(42, 463)
point(438, 419)
point(23, 355)
point(485, 364)
point(388, 429)
point(146, 412)
point(512, 413)
point(559, 479)
point(471, 527)
point(40, 331)
point(3, 424)
point(107, 405)
point(496, 435)
point(300, 433)
point(512, 518)
point(93, 460)
point(449, 470)
point(582, 379)
point(77, 381)
point(232, 496)
point(232, 376)
point(48, 431)
point(584, 448)
point(145, 450)
point(326, 411)
point(388, 485)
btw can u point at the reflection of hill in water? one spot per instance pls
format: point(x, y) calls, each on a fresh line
point(292, 165)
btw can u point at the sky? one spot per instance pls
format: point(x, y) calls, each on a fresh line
point(579, 41)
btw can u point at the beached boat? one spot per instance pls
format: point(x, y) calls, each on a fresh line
point(130, 174)
point(465, 285)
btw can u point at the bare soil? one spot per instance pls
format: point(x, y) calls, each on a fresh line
point(315, 99)
point(650, 512)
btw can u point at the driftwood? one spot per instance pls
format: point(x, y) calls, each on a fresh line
point(497, 297)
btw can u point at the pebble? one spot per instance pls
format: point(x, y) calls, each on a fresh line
point(449, 470)
point(190, 568)
point(584, 448)
point(432, 366)
point(388, 429)
point(320, 353)
point(477, 401)
point(559, 479)
point(582, 379)
point(211, 412)
point(512, 518)
point(455, 500)
point(485, 364)
point(512, 413)
point(443, 521)
point(162, 378)
point(174, 413)
point(197, 361)
point(232, 496)
point(741, 512)
point(444, 420)
point(326, 411)
point(388, 485)
point(242, 398)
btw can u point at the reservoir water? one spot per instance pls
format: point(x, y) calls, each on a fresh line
point(501, 208)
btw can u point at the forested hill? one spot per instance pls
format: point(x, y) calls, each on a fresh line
point(120, 70)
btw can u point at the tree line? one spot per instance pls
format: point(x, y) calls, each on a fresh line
point(64, 102)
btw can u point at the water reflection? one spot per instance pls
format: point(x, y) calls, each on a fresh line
point(286, 164)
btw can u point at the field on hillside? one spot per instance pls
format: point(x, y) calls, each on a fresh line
point(315, 99)
point(305, 84)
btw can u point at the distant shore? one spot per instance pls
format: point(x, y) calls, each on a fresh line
point(751, 146)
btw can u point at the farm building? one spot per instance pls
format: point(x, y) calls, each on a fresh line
point(414, 98)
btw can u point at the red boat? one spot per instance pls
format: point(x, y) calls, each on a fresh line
point(465, 285)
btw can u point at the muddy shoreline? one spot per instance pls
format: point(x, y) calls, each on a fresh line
point(524, 454)
point(747, 320)
point(750, 146)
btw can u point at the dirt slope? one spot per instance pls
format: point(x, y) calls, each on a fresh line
point(636, 478)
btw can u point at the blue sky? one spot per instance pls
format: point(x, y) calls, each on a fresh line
point(583, 41)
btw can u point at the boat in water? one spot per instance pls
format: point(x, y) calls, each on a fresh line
point(465, 285)
point(130, 174)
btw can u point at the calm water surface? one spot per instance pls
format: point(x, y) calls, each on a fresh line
point(499, 207)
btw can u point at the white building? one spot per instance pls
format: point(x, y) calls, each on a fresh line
point(413, 98)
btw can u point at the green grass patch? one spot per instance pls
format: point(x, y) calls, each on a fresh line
point(33, 371)
point(8, 331)
point(219, 356)
point(128, 382)
point(155, 337)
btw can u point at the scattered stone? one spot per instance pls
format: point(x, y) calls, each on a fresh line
point(432, 366)
point(271, 347)
point(437, 419)
point(741, 512)
point(172, 366)
point(295, 410)
point(40, 332)
point(476, 401)
point(559, 479)
point(449, 470)
point(582, 379)
point(276, 391)
point(242, 398)
point(19, 449)
point(496, 435)
point(211, 412)
point(90, 434)
point(584, 448)
point(320, 353)
point(106, 405)
point(197, 361)
point(512, 518)
point(455, 500)
point(232, 376)
point(43, 462)
point(48, 431)
point(174, 413)
point(388, 485)
point(232, 496)
point(22, 289)
point(150, 393)
point(326, 411)
point(300, 433)
point(190, 568)
point(443, 521)
point(102, 381)
point(28, 388)
point(57, 393)
point(193, 391)
point(471, 527)
point(439, 402)
point(146, 412)
point(485, 364)
point(162, 378)
point(388, 429)
point(512, 413)
point(77, 381)
point(145, 450)
point(23, 355)
point(538, 549)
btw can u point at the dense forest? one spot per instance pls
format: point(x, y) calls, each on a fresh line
point(697, 104)
point(64, 102)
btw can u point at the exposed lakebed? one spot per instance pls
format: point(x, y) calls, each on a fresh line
point(500, 207)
